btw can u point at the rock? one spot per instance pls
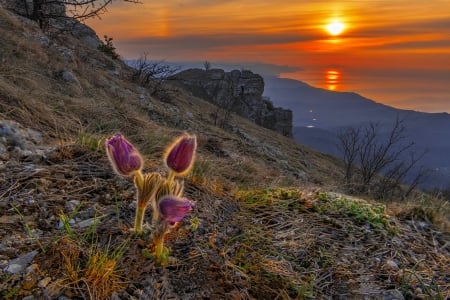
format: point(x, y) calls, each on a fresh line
point(19, 264)
point(44, 282)
point(89, 222)
point(391, 265)
point(303, 176)
point(72, 205)
point(25, 8)
point(18, 141)
point(14, 268)
point(240, 92)
point(392, 295)
point(84, 33)
point(61, 223)
point(69, 77)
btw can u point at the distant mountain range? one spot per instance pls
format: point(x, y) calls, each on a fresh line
point(318, 114)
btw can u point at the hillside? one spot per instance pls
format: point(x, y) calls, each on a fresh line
point(330, 111)
point(269, 220)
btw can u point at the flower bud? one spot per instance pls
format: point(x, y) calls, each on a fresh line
point(124, 157)
point(173, 209)
point(180, 155)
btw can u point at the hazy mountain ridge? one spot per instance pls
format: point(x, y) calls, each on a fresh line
point(329, 110)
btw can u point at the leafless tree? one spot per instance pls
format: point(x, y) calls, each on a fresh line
point(367, 151)
point(392, 182)
point(152, 74)
point(44, 10)
point(376, 154)
point(207, 65)
point(349, 146)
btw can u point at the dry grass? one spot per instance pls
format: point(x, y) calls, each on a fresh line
point(92, 274)
point(316, 249)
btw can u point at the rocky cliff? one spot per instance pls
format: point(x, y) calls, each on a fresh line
point(239, 92)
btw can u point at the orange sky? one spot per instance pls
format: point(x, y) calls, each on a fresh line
point(394, 52)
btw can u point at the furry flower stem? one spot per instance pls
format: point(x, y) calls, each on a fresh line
point(172, 210)
point(171, 176)
point(161, 253)
point(138, 179)
point(139, 218)
point(147, 185)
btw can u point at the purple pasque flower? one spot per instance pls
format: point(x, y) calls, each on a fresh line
point(124, 157)
point(180, 155)
point(173, 209)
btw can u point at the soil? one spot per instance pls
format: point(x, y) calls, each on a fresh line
point(234, 251)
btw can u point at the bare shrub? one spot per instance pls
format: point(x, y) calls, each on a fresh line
point(152, 74)
point(367, 154)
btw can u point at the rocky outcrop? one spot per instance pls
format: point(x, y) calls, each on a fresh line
point(239, 92)
point(32, 9)
point(17, 141)
point(52, 14)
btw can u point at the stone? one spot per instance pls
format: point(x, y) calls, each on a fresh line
point(17, 141)
point(391, 265)
point(18, 265)
point(392, 295)
point(72, 205)
point(44, 282)
point(69, 77)
point(25, 8)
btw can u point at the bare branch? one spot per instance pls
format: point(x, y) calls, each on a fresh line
point(373, 154)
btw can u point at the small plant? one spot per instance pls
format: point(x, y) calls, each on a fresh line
point(95, 270)
point(164, 194)
point(195, 222)
point(108, 48)
point(360, 211)
point(273, 197)
point(90, 141)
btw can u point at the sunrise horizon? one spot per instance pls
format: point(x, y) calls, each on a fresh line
point(384, 51)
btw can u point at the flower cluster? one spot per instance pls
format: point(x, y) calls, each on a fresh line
point(164, 194)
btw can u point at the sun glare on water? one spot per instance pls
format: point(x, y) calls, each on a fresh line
point(335, 28)
point(332, 79)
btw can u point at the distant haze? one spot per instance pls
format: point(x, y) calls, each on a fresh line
point(318, 114)
point(396, 52)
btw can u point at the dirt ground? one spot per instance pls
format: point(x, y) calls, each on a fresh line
point(226, 249)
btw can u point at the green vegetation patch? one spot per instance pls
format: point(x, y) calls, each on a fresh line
point(360, 211)
point(275, 197)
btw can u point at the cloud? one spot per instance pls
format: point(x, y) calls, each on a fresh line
point(217, 40)
point(434, 45)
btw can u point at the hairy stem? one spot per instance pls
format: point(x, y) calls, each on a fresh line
point(139, 179)
point(171, 176)
point(139, 218)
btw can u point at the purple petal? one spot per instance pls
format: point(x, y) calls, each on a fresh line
point(173, 209)
point(180, 155)
point(124, 157)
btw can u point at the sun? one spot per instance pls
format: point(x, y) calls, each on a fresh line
point(335, 28)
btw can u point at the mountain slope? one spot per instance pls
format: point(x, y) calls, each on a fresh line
point(330, 111)
point(268, 222)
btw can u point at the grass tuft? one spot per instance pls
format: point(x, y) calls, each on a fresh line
point(91, 273)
